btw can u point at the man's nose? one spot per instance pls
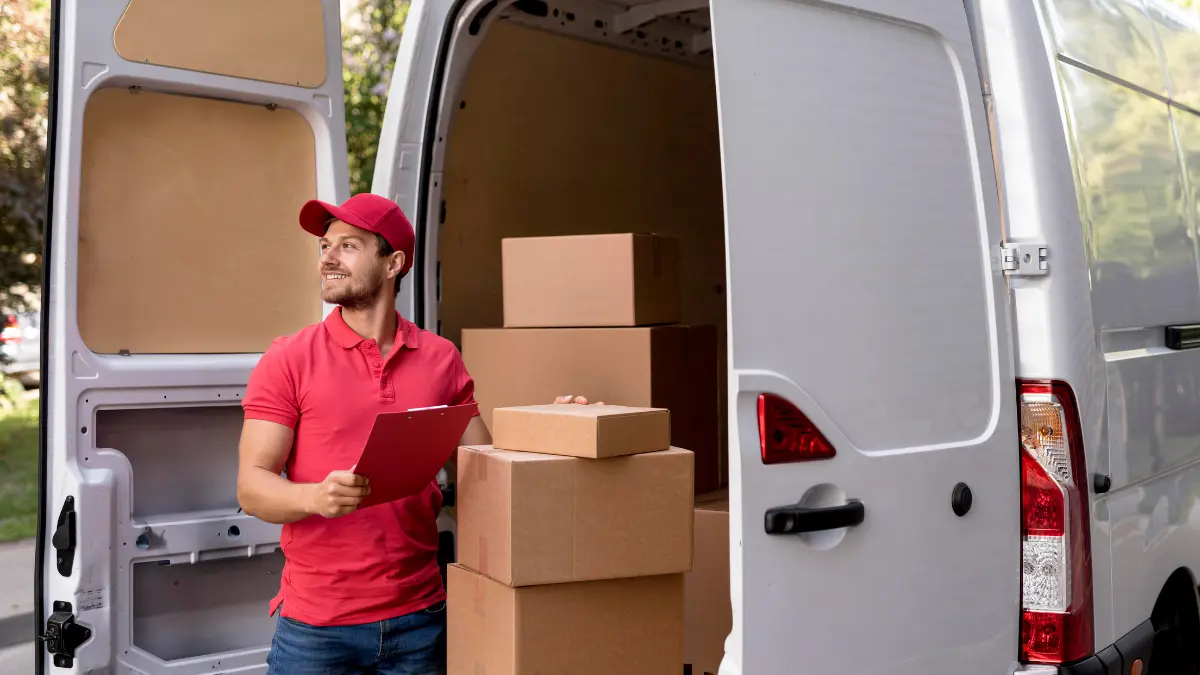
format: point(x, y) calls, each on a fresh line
point(327, 256)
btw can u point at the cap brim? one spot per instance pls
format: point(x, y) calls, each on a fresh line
point(315, 216)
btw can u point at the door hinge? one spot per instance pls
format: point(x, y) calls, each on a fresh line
point(64, 538)
point(63, 636)
point(1024, 260)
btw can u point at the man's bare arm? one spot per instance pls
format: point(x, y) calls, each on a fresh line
point(476, 433)
point(268, 496)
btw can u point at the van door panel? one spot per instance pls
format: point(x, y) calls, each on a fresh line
point(861, 210)
point(400, 165)
point(182, 145)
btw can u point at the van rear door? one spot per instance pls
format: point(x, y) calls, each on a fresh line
point(867, 318)
point(403, 167)
point(184, 138)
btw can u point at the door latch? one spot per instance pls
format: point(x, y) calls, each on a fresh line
point(1024, 260)
point(64, 538)
point(63, 636)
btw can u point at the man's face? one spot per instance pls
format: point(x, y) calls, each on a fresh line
point(353, 273)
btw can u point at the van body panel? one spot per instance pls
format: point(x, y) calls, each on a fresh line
point(1055, 330)
point(153, 539)
point(861, 207)
point(1108, 196)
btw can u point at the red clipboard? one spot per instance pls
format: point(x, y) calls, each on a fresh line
point(406, 450)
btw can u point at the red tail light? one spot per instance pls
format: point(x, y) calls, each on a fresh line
point(786, 435)
point(1056, 560)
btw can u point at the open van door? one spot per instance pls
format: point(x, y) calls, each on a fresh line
point(402, 166)
point(184, 138)
point(874, 463)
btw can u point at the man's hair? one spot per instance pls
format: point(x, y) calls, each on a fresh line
point(385, 249)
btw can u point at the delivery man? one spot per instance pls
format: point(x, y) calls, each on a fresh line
point(361, 591)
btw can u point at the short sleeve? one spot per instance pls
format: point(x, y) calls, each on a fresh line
point(462, 389)
point(271, 393)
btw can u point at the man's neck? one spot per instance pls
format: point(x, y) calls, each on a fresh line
point(376, 322)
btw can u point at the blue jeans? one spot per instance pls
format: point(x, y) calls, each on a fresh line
point(414, 644)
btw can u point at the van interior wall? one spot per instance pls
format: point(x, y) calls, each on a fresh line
point(210, 607)
point(163, 444)
point(165, 265)
point(556, 136)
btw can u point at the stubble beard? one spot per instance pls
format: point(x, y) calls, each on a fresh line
point(354, 297)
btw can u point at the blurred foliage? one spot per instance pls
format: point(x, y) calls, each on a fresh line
point(18, 462)
point(24, 94)
point(370, 39)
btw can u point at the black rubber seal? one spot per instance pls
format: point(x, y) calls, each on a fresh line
point(39, 560)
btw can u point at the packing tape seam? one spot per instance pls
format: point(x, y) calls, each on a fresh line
point(574, 519)
point(484, 564)
point(477, 593)
point(481, 466)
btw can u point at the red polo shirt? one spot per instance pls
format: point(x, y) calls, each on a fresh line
point(327, 383)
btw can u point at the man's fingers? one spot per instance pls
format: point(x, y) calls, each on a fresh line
point(337, 489)
point(581, 400)
point(346, 478)
point(337, 511)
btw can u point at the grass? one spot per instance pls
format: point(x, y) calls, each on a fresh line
point(18, 470)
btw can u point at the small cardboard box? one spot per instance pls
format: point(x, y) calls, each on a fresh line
point(592, 431)
point(591, 280)
point(708, 611)
point(672, 367)
point(627, 626)
point(526, 519)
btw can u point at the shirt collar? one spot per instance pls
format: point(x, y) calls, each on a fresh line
point(344, 335)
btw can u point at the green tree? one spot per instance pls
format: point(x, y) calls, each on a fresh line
point(370, 38)
point(24, 95)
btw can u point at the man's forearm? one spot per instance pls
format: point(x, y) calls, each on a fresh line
point(272, 498)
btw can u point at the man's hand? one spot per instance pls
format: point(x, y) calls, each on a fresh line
point(579, 400)
point(339, 494)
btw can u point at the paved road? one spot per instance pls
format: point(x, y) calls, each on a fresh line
point(16, 593)
point(17, 660)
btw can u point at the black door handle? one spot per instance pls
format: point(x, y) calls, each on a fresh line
point(797, 519)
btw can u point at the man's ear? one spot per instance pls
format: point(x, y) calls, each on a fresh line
point(397, 262)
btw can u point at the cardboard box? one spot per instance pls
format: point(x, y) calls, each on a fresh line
point(591, 280)
point(627, 626)
point(593, 431)
point(526, 519)
point(672, 367)
point(708, 612)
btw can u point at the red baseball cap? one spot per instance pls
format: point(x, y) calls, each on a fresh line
point(368, 212)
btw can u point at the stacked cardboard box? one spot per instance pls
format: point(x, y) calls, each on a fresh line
point(597, 316)
point(708, 613)
point(575, 530)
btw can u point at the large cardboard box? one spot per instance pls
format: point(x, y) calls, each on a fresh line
point(526, 519)
point(708, 612)
point(627, 626)
point(593, 431)
point(591, 280)
point(672, 367)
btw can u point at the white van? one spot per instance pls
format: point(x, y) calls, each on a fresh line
point(959, 240)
